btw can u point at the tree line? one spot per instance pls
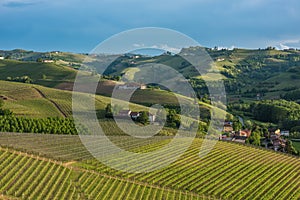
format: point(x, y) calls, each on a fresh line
point(51, 125)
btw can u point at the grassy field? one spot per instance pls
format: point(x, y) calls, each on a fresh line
point(223, 174)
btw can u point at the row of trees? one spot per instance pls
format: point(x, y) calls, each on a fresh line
point(51, 125)
point(22, 79)
point(10, 123)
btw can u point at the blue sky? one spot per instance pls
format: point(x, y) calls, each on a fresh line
point(78, 26)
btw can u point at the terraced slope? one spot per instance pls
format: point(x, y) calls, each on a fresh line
point(24, 176)
point(229, 171)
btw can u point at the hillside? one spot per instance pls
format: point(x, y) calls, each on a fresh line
point(24, 55)
point(229, 171)
point(46, 74)
point(268, 72)
point(32, 100)
point(53, 166)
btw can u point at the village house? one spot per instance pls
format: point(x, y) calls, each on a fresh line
point(245, 133)
point(1, 58)
point(48, 61)
point(285, 133)
point(276, 140)
point(132, 86)
point(228, 127)
point(134, 115)
point(124, 113)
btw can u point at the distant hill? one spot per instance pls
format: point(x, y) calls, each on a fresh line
point(47, 74)
point(269, 73)
point(24, 55)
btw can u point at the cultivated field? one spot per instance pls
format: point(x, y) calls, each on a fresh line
point(62, 167)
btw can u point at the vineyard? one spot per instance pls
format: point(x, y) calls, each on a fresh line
point(229, 171)
point(31, 177)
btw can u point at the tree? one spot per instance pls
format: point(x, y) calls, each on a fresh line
point(108, 111)
point(173, 119)
point(254, 137)
point(229, 117)
point(237, 125)
point(5, 112)
point(143, 118)
point(39, 60)
point(290, 148)
point(248, 124)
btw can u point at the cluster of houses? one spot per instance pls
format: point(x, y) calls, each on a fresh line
point(231, 135)
point(275, 140)
point(128, 114)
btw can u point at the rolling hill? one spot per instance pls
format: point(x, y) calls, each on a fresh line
point(229, 171)
point(46, 74)
point(49, 166)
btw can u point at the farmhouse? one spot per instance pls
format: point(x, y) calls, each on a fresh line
point(124, 113)
point(134, 115)
point(131, 86)
point(244, 133)
point(285, 133)
point(1, 58)
point(227, 128)
point(276, 140)
point(48, 61)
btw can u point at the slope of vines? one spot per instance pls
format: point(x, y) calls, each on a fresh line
point(229, 171)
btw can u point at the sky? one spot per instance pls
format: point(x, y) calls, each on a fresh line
point(80, 25)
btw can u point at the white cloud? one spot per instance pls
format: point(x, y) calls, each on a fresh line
point(138, 45)
point(167, 48)
point(164, 47)
point(286, 44)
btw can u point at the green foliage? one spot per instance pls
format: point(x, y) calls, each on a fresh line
point(276, 111)
point(108, 111)
point(237, 125)
point(39, 60)
point(5, 112)
point(248, 124)
point(143, 118)
point(292, 95)
point(290, 148)
point(55, 73)
point(22, 79)
point(173, 119)
point(254, 138)
point(27, 125)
